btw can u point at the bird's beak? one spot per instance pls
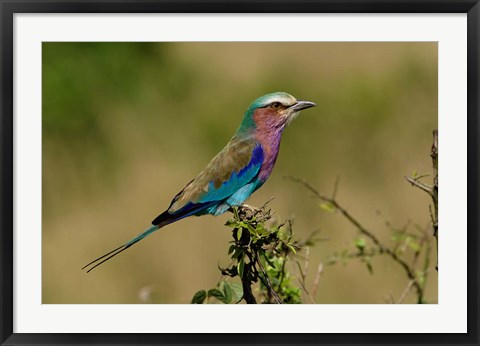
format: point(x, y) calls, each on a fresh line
point(302, 105)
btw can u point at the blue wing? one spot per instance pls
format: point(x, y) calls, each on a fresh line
point(237, 180)
point(228, 180)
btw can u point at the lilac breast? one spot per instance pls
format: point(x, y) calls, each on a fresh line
point(269, 128)
point(271, 144)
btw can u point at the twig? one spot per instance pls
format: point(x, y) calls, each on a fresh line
point(388, 298)
point(434, 156)
point(431, 190)
point(302, 282)
point(280, 282)
point(426, 264)
point(409, 271)
point(424, 187)
point(417, 253)
point(268, 284)
point(335, 187)
point(307, 260)
point(405, 291)
point(316, 281)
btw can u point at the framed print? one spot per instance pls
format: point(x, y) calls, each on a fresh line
point(146, 200)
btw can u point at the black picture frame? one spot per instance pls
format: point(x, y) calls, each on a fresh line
point(10, 7)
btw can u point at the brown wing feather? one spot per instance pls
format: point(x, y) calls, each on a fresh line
point(235, 156)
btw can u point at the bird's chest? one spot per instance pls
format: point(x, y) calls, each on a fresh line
point(270, 144)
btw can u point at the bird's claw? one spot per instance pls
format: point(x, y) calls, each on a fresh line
point(253, 210)
point(245, 211)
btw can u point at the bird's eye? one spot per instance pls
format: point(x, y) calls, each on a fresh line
point(276, 105)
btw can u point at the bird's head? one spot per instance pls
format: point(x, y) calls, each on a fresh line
point(274, 111)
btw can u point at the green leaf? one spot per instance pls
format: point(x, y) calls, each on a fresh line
point(199, 297)
point(241, 267)
point(398, 236)
point(235, 213)
point(291, 248)
point(420, 278)
point(242, 224)
point(327, 206)
point(214, 292)
point(369, 265)
point(227, 292)
point(250, 228)
point(264, 255)
point(231, 249)
point(414, 246)
point(238, 254)
point(231, 223)
point(237, 290)
point(360, 243)
point(239, 233)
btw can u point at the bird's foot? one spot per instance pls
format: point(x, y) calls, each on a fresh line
point(253, 210)
point(248, 212)
point(245, 211)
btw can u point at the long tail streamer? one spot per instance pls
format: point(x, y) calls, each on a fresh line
point(95, 263)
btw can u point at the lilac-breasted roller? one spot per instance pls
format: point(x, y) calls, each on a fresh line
point(234, 173)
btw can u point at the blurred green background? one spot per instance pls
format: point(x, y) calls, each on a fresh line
point(127, 125)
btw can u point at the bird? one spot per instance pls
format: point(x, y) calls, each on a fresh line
point(235, 173)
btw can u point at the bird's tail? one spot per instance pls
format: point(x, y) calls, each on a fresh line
point(102, 259)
